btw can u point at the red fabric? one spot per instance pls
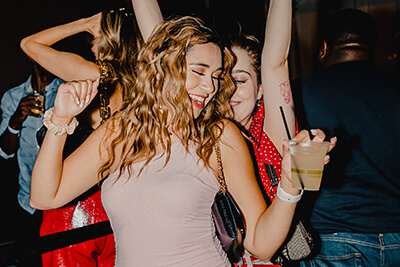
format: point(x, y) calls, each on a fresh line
point(265, 150)
point(96, 252)
point(255, 265)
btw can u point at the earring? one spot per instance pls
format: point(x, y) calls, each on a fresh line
point(258, 103)
point(257, 106)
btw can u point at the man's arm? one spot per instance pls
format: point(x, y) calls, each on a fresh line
point(12, 120)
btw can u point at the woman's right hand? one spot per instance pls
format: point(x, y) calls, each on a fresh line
point(72, 98)
point(93, 25)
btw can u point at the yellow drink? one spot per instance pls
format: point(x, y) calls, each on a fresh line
point(307, 163)
point(40, 106)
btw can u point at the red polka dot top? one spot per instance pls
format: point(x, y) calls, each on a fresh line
point(266, 152)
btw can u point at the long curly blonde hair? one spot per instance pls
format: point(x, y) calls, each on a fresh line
point(119, 47)
point(160, 105)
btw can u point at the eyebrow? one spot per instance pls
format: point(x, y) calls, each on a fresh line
point(241, 71)
point(203, 65)
point(200, 64)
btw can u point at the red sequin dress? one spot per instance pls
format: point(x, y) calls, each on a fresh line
point(85, 210)
point(96, 252)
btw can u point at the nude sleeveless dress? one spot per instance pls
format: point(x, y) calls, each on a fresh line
point(163, 217)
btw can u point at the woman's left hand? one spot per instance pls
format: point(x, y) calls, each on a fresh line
point(319, 136)
point(72, 98)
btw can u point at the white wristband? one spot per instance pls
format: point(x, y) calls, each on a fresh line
point(13, 131)
point(288, 197)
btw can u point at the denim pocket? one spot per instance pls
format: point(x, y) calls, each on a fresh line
point(339, 260)
point(338, 250)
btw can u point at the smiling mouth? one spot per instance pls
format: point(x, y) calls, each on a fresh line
point(197, 100)
point(234, 103)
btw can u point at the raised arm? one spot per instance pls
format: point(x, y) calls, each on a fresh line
point(67, 66)
point(55, 181)
point(266, 229)
point(275, 72)
point(148, 16)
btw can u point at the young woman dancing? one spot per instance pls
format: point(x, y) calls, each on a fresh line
point(116, 40)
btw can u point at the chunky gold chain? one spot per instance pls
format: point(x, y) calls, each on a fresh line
point(221, 178)
point(103, 93)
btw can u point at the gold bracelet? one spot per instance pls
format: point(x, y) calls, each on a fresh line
point(58, 129)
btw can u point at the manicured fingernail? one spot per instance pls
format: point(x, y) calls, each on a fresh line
point(87, 99)
point(77, 101)
point(314, 132)
point(81, 104)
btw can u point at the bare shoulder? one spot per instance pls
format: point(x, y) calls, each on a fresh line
point(232, 138)
point(231, 132)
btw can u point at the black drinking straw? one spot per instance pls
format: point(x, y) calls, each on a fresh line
point(290, 138)
point(284, 121)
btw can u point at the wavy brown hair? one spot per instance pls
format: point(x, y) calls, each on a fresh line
point(253, 48)
point(160, 104)
point(118, 49)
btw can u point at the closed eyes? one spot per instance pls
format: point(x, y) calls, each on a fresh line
point(198, 72)
point(240, 81)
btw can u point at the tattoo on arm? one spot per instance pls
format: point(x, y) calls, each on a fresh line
point(285, 91)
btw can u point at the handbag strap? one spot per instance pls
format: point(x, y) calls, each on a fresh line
point(221, 178)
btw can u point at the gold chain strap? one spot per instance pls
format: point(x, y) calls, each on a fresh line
point(103, 94)
point(221, 178)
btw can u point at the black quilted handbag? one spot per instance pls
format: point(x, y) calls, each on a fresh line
point(228, 219)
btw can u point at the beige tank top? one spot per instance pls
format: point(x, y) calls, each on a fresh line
point(163, 217)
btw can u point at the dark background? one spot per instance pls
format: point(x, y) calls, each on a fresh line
point(25, 17)
point(20, 18)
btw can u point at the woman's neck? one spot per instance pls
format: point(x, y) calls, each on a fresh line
point(246, 123)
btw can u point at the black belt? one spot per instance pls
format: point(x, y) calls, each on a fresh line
point(43, 244)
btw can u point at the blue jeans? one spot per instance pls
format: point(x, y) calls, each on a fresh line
point(353, 249)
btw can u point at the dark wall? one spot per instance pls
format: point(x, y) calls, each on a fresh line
point(19, 18)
